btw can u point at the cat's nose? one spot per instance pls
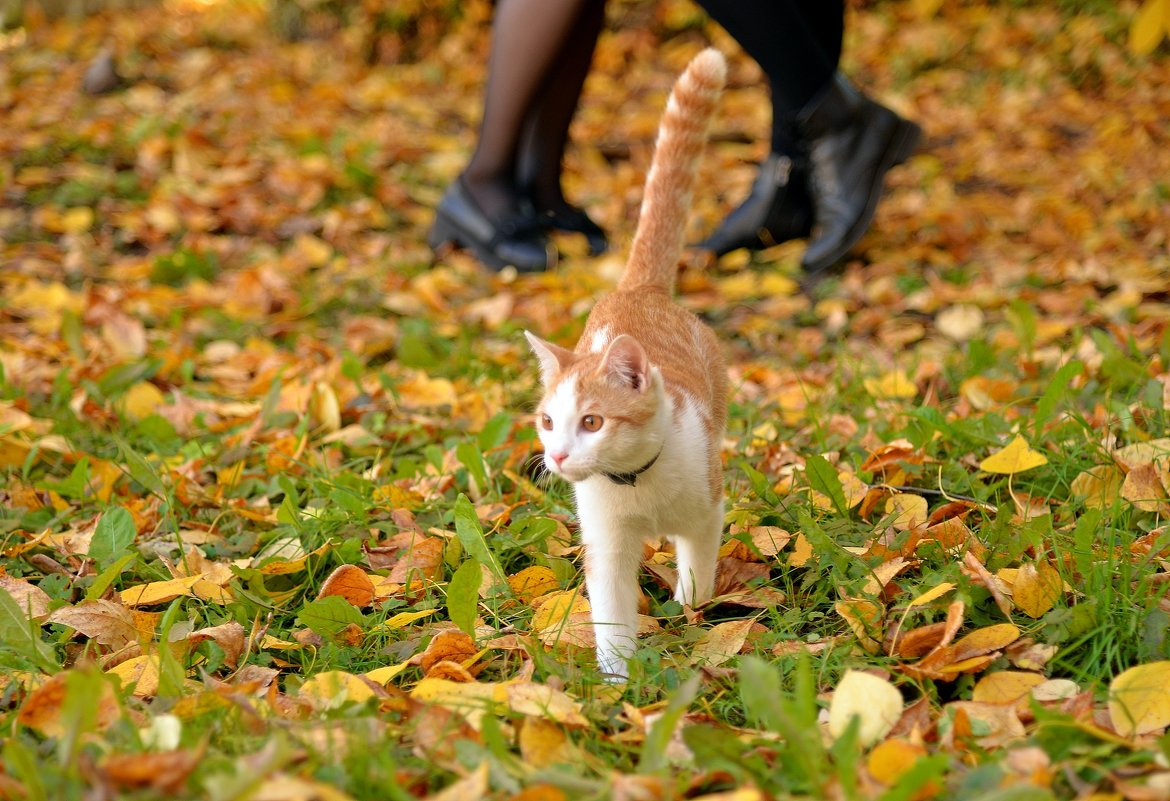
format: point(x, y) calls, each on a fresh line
point(559, 457)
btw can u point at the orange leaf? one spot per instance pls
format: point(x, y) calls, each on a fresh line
point(351, 583)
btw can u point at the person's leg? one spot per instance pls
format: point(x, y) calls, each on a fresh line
point(528, 39)
point(483, 209)
point(546, 133)
point(797, 45)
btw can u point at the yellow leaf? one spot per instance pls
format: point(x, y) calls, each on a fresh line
point(890, 760)
point(908, 511)
point(721, 642)
point(541, 700)
point(543, 743)
point(555, 608)
point(871, 698)
point(142, 400)
point(1017, 457)
point(894, 385)
point(422, 392)
point(384, 674)
point(985, 640)
point(1036, 588)
point(933, 593)
point(1098, 487)
point(1150, 25)
point(1139, 453)
point(159, 592)
point(140, 672)
point(802, 551)
point(332, 688)
point(1006, 687)
point(1139, 699)
point(76, 220)
point(404, 619)
point(865, 618)
point(533, 582)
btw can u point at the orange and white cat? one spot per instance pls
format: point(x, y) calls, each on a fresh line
point(634, 416)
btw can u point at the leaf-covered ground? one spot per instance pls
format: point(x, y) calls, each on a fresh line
point(268, 522)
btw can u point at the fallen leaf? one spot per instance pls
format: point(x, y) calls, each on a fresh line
point(720, 643)
point(872, 699)
point(351, 583)
point(1139, 699)
point(1017, 457)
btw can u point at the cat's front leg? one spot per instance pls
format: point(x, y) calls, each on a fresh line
point(611, 578)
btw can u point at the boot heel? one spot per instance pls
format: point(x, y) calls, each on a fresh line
point(906, 140)
point(442, 233)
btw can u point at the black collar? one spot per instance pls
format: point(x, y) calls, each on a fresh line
point(628, 479)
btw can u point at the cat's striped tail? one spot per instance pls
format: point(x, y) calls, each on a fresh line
point(657, 246)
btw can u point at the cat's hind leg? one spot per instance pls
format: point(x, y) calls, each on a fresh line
point(697, 551)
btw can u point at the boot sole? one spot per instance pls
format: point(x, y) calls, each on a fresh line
point(903, 142)
point(446, 232)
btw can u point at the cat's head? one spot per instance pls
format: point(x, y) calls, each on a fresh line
point(602, 412)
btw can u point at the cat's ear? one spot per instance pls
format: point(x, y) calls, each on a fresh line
point(553, 358)
point(625, 360)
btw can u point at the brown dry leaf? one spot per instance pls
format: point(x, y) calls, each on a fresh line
point(164, 772)
point(29, 598)
point(351, 583)
point(1156, 451)
point(104, 621)
point(1144, 488)
point(1036, 588)
point(720, 643)
point(920, 641)
point(229, 636)
point(802, 551)
point(990, 725)
point(769, 540)
point(472, 786)
point(454, 646)
point(43, 707)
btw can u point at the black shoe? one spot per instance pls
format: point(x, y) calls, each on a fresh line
point(778, 209)
point(575, 220)
point(852, 143)
point(517, 240)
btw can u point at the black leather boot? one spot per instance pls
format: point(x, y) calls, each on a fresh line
point(778, 209)
point(517, 240)
point(852, 142)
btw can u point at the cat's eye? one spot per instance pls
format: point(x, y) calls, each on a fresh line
point(546, 422)
point(592, 422)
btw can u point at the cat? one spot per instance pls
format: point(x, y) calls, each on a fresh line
point(634, 416)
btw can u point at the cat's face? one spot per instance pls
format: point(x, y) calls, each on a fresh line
point(600, 411)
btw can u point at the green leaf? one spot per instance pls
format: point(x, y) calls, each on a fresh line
point(463, 595)
point(654, 748)
point(76, 486)
point(1056, 391)
point(823, 478)
point(471, 458)
point(470, 534)
point(329, 615)
point(20, 634)
point(107, 577)
point(114, 534)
